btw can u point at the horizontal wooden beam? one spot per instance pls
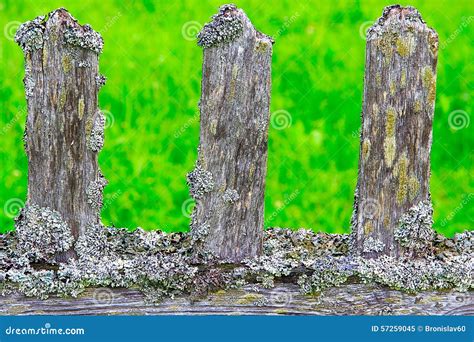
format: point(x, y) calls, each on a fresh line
point(284, 299)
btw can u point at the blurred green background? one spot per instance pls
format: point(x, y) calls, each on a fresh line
point(153, 66)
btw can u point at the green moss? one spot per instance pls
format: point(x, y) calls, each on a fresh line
point(403, 79)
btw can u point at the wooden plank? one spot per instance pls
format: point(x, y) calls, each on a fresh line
point(284, 299)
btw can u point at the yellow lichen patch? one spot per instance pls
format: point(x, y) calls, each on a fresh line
point(67, 63)
point(432, 93)
point(368, 228)
point(391, 120)
point(389, 146)
point(365, 149)
point(393, 88)
point(80, 108)
point(386, 44)
point(62, 98)
point(433, 42)
point(261, 46)
point(89, 125)
point(417, 107)
point(405, 46)
point(378, 79)
point(403, 78)
point(249, 298)
point(402, 189)
point(280, 311)
point(413, 187)
point(427, 76)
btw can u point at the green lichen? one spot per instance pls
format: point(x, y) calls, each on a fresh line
point(366, 149)
point(414, 230)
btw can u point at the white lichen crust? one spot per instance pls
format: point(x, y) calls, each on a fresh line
point(84, 37)
point(225, 27)
point(42, 232)
point(373, 245)
point(96, 137)
point(95, 192)
point(415, 230)
point(231, 196)
point(161, 265)
point(30, 34)
point(200, 182)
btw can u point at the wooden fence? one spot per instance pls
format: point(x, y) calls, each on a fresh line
point(392, 208)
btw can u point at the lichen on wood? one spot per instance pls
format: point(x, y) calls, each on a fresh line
point(228, 180)
point(397, 117)
point(64, 129)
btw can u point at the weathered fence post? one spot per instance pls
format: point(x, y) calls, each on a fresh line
point(392, 209)
point(229, 178)
point(64, 133)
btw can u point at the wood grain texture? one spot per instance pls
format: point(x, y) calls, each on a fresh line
point(61, 84)
point(396, 136)
point(229, 180)
point(284, 299)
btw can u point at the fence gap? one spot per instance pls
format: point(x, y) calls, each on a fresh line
point(392, 209)
point(64, 133)
point(228, 181)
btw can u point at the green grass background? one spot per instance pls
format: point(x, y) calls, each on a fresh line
point(154, 85)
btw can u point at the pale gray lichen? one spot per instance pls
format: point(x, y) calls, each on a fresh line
point(373, 245)
point(95, 192)
point(30, 34)
point(84, 37)
point(100, 80)
point(224, 28)
point(29, 81)
point(200, 182)
point(42, 232)
point(415, 230)
point(231, 196)
point(161, 265)
point(96, 137)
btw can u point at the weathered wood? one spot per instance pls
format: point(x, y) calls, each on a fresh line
point(392, 210)
point(284, 299)
point(64, 133)
point(229, 178)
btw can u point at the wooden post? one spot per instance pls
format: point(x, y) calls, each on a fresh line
point(229, 178)
point(392, 210)
point(64, 133)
